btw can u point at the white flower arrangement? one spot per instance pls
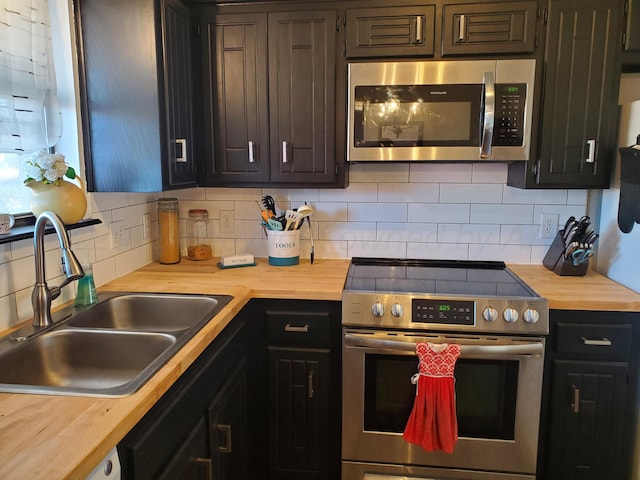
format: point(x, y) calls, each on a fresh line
point(48, 168)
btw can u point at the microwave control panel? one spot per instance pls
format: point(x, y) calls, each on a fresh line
point(509, 114)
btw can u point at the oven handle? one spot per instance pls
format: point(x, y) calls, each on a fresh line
point(536, 349)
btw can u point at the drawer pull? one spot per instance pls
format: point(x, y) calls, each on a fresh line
point(293, 328)
point(226, 431)
point(601, 342)
point(206, 465)
point(418, 29)
point(462, 26)
point(310, 390)
point(576, 399)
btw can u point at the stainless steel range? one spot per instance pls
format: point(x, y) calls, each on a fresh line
point(500, 323)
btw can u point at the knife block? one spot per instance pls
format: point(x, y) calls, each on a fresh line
point(554, 260)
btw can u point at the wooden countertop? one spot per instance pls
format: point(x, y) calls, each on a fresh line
point(56, 437)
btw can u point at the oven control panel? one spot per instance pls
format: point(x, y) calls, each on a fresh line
point(426, 312)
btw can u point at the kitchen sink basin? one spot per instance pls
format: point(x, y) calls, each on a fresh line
point(149, 312)
point(109, 349)
point(83, 361)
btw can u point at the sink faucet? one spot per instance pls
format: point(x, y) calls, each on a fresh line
point(42, 295)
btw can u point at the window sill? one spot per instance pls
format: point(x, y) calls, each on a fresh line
point(25, 231)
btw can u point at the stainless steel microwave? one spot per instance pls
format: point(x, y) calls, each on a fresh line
point(479, 110)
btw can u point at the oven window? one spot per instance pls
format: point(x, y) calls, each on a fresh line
point(417, 115)
point(485, 395)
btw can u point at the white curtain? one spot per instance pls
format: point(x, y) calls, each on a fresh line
point(30, 118)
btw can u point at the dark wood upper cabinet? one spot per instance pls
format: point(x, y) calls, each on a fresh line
point(270, 97)
point(632, 33)
point(489, 28)
point(401, 31)
point(577, 143)
point(136, 92)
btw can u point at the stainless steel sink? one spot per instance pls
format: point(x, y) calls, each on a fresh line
point(110, 349)
point(148, 312)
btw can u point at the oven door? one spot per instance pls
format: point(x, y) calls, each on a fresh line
point(498, 396)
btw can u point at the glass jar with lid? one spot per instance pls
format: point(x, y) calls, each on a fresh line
point(169, 230)
point(198, 243)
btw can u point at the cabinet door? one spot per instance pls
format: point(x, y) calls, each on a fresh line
point(236, 123)
point(632, 35)
point(228, 428)
point(390, 32)
point(298, 413)
point(586, 420)
point(486, 28)
point(180, 158)
point(580, 93)
point(302, 96)
point(191, 461)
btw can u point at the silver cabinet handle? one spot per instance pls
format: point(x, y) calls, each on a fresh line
point(592, 151)
point(418, 29)
point(252, 157)
point(462, 27)
point(601, 342)
point(182, 158)
point(226, 429)
point(206, 466)
point(310, 391)
point(284, 152)
point(489, 109)
point(576, 399)
point(293, 328)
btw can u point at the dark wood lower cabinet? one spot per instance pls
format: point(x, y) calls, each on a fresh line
point(590, 395)
point(298, 413)
point(262, 402)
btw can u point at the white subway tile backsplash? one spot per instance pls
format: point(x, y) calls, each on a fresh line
point(379, 173)
point(412, 210)
point(440, 172)
point(408, 192)
point(468, 233)
point(489, 173)
point(347, 231)
point(438, 213)
point(377, 212)
point(471, 193)
point(516, 214)
point(407, 232)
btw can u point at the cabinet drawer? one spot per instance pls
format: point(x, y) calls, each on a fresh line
point(593, 339)
point(487, 28)
point(302, 329)
point(391, 31)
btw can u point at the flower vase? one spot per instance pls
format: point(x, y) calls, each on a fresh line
point(66, 199)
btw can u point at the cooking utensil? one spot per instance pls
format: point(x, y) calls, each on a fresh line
point(292, 218)
point(306, 211)
point(269, 203)
point(274, 224)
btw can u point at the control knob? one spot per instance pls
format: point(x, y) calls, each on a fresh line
point(377, 309)
point(397, 310)
point(490, 314)
point(531, 315)
point(510, 314)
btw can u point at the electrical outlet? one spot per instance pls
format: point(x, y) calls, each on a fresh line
point(116, 234)
point(227, 221)
point(548, 225)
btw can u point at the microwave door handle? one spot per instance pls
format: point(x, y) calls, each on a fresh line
point(489, 114)
point(536, 349)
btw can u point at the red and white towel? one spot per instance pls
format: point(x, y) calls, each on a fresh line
point(433, 424)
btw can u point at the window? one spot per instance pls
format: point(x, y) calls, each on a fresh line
point(14, 196)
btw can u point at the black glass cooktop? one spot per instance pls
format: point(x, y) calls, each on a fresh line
point(440, 277)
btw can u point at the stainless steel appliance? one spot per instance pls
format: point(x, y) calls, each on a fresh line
point(440, 110)
point(500, 323)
